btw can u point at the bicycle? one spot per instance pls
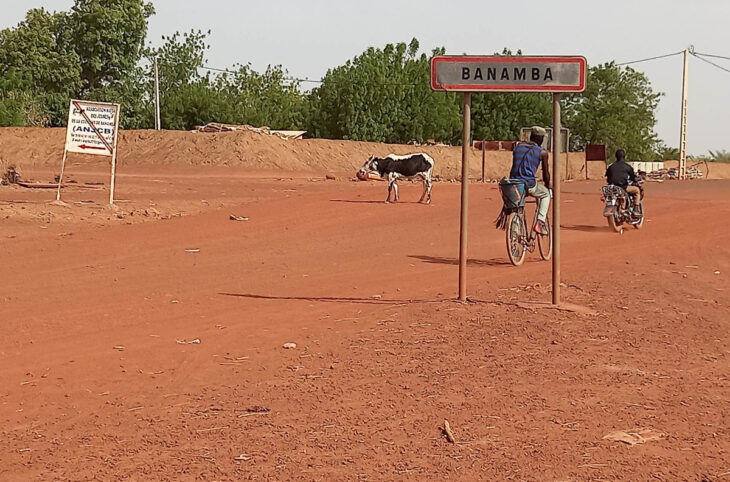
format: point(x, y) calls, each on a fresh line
point(519, 239)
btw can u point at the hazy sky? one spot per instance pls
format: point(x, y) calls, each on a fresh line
point(309, 37)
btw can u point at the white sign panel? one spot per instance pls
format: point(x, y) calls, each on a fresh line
point(92, 127)
point(464, 73)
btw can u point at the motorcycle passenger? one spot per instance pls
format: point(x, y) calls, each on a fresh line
point(619, 174)
point(526, 157)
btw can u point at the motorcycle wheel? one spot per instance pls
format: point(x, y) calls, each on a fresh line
point(614, 224)
point(640, 224)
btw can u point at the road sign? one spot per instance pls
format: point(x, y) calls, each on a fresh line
point(465, 73)
point(468, 74)
point(92, 127)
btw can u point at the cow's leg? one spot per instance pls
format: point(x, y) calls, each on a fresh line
point(391, 182)
point(425, 188)
point(395, 187)
point(428, 184)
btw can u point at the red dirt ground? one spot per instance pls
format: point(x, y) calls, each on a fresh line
point(100, 378)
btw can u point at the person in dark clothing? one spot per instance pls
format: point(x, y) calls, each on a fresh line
point(526, 158)
point(620, 173)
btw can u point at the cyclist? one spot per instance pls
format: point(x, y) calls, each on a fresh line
point(526, 157)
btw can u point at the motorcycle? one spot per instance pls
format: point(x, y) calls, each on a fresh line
point(619, 208)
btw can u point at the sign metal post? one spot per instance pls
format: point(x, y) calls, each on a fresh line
point(556, 199)
point(464, 220)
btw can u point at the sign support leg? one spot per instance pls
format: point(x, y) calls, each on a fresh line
point(60, 178)
point(466, 135)
point(556, 198)
point(114, 170)
point(114, 156)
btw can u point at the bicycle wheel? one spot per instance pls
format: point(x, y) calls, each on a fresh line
point(515, 234)
point(545, 242)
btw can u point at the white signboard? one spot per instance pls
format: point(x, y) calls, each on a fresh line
point(92, 127)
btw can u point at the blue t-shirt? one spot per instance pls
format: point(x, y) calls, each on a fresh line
point(525, 161)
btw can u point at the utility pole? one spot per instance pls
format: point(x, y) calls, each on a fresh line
point(158, 122)
point(683, 123)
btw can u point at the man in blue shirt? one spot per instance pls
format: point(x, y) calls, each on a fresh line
point(526, 158)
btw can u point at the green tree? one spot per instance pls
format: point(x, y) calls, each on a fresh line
point(617, 109)
point(16, 101)
point(238, 96)
point(180, 58)
point(91, 52)
point(267, 98)
point(383, 95)
point(187, 97)
point(37, 51)
point(108, 36)
point(501, 115)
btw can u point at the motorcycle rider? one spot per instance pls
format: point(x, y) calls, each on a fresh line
point(526, 157)
point(619, 174)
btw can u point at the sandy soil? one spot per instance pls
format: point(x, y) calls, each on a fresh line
point(150, 346)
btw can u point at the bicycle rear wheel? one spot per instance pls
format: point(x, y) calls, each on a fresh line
point(515, 233)
point(545, 242)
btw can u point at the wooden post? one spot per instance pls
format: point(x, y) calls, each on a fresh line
point(114, 156)
point(63, 167)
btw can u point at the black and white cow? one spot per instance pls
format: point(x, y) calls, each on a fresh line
point(392, 167)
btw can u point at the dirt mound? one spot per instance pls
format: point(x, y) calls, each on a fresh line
point(44, 147)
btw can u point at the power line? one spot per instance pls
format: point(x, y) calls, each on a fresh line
point(712, 63)
point(320, 81)
point(651, 58)
point(715, 56)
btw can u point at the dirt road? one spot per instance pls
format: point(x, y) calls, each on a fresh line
point(148, 345)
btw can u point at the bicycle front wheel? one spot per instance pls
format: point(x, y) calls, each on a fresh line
point(545, 242)
point(515, 235)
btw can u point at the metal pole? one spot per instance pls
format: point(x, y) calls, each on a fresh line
point(683, 123)
point(556, 199)
point(466, 135)
point(484, 159)
point(158, 122)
